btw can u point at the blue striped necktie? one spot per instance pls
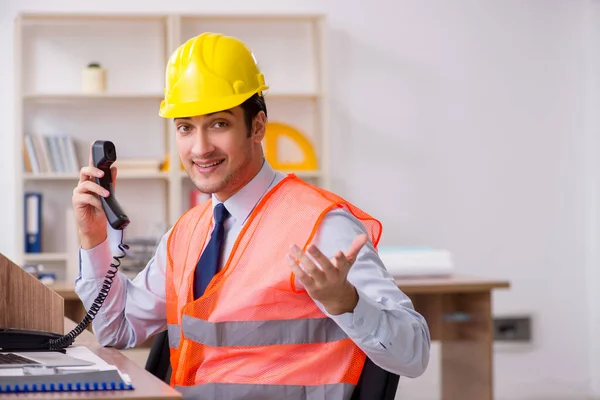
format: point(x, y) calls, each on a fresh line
point(209, 260)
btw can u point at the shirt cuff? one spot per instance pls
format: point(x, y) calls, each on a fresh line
point(363, 320)
point(95, 262)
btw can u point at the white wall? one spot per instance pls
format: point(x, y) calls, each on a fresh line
point(592, 193)
point(468, 117)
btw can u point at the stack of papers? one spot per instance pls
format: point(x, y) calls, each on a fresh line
point(98, 376)
point(416, 261)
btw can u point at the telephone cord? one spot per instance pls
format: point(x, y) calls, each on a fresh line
point(68, 339)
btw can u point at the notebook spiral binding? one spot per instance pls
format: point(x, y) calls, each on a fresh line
point(64, 387)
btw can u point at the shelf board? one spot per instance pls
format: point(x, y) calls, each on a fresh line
point(254, 17)
point(293, 95)
point(81, 17)
point(50, 97)
point(39, 257)
point(28, 176)
point(90, 96)
point(155, 17)
point(304, 174)
point(64, 289)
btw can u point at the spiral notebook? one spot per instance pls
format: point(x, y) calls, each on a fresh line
point(99, 376)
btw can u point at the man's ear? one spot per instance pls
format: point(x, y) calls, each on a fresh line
point(259, 126)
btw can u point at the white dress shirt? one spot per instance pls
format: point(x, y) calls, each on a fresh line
point(383, 324)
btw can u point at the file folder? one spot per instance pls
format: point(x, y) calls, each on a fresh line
point(33, 222)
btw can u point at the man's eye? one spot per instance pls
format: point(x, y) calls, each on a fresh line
point(220, 124)
point(183, 128)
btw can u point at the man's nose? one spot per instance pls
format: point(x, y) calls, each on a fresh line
point(202, 145)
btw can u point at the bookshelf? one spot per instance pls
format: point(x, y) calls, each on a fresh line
point(52, 49)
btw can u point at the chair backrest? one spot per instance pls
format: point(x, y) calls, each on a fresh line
point(159, 359)
point(375, 383)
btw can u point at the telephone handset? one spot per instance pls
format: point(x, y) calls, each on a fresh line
point(103, 156)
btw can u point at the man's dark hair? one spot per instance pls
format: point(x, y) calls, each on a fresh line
point(252, 107)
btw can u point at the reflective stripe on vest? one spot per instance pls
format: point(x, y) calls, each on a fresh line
point(233, 391)
point(174, 335)
point(261, 333)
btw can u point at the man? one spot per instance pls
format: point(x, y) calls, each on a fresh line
point(273, 288)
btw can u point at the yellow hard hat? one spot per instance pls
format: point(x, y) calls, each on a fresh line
point(209, 73)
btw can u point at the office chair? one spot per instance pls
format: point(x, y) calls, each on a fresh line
point(159, 359)
point(375, 383)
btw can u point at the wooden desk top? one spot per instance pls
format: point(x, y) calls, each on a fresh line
point(147, 386)
point(451, 284)
point(66, 290)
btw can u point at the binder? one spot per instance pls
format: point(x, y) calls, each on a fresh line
point(33, 222)
point(65, 382)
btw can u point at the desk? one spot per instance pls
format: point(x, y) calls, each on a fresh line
point(147, 387)
point(458, 311)
point(74, 308)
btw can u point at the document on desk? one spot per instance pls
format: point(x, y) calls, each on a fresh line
point(96, 377)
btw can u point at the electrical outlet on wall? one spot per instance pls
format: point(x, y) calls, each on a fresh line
point(512, 329)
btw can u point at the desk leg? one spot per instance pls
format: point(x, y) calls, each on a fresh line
point(467, 347)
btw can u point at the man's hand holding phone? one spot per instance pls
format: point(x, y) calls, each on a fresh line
point(89, 214)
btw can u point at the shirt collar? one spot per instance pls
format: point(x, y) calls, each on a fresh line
point(241, 204)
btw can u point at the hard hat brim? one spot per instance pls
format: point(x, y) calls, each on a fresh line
point(196, 108)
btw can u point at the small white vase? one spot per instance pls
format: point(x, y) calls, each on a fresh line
point(93, 79)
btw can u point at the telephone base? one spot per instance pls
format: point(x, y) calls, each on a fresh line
point(25, 340)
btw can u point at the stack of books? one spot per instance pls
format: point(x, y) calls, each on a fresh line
point(44, 154)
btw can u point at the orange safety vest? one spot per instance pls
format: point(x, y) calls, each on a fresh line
point(253, 334)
